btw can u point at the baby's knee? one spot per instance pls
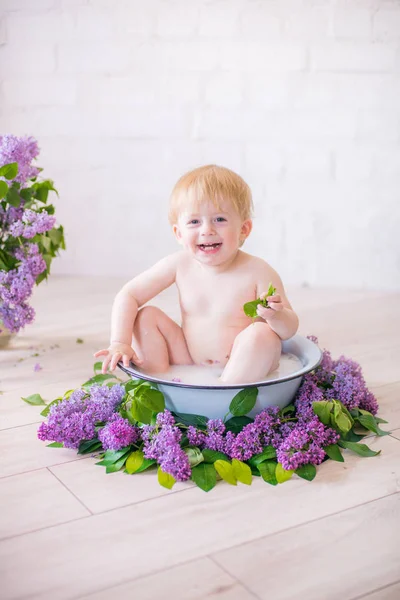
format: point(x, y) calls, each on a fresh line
point(262, 333)
point(147, 316)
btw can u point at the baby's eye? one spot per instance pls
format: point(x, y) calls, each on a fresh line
point(193, 222)
point(220, 219)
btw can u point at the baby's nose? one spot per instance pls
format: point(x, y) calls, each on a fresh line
point(207, 228)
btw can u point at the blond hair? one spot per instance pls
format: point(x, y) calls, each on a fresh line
point(210, 183)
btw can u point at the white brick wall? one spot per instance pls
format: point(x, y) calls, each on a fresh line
point(301, 97)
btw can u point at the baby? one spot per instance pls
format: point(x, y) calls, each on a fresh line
point(210, 213)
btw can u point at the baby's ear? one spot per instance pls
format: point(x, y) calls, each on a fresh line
point(177, 233)
point(246, 228)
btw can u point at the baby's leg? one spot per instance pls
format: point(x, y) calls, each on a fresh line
point(159, 341)
point(255, 353)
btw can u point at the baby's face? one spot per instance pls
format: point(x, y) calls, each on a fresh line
point(212, 236)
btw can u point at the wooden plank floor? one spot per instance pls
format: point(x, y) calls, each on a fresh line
point(68, 531)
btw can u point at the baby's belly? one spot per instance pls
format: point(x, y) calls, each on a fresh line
point(210, 342)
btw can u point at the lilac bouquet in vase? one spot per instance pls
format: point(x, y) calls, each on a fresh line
point(29, 237)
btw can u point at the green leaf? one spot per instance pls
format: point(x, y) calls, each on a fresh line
point(210, 456)
point(151, 399)
point(267, 470)
point(351, 436)
point(323, 410)
point(87, 446)
point(97, 367)
point(9, 171)
point(199, 421)
point(46, 410)
point(34, 400)
point(113, 456)
point(333, 451)
point(369, 422)
point(3, 189)
point(282, 474)
point(307, 472)
point(236, 424)
point(267, 453)
point(55, 445)
point(250, 308)
point(225, 470)
point(13, 197)
point(147, 462)
point(341, 419)
point(139, 412)
point(79, 340)
point(56, 236)
point(243, 402)
point(204, 476)
point(101, 378)
point(117, 466)
point(132, 384)
point(194, 455)
point(134, 461)
point(379, 420)
point(165, 479)
point(360, 449)
point(241, 471)
point(288, 409)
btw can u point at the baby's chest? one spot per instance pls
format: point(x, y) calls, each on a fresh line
point(216, 300)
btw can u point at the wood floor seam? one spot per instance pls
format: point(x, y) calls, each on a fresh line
point(67, 462)
point(293, 527)
point(70, 491)
point(374, 591)
point(211, 557)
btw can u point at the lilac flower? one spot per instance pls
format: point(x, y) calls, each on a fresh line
point(164, 447)
point(308, 393)
point(118, 433)
point(195, 436)
point(22, 150)
point(16, 287)
point(165, 418)
point(247, 443)
point(304, 444)
point(349, 386)
point(37, 367)
point(32, 223)
point(74, 420)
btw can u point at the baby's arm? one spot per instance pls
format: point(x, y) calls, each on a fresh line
point(127, 302)
point(280, 316)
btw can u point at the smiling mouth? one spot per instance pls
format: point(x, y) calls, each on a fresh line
point(209, 247)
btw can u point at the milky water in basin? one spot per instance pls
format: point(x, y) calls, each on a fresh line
point(209, 375)
point(200, 392)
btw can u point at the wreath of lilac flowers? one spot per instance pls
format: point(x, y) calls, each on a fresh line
point(29, 238)
point(128, 425)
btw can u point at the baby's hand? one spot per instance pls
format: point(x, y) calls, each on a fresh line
point(115, 352)
point(275, 305)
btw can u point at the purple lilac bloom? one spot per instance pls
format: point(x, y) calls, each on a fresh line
point(37, 367)
point(164, 447)
point(32, 223)
point(349, 386)
point(74, 420)
point(305, 444)
point(22, 150)
point(195, 436)
point(118, 433)
point(247, 443)
point(16, 287)
point(308, 393)
point(165, 418)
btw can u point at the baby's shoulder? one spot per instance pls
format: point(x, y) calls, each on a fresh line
point(258, 265)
